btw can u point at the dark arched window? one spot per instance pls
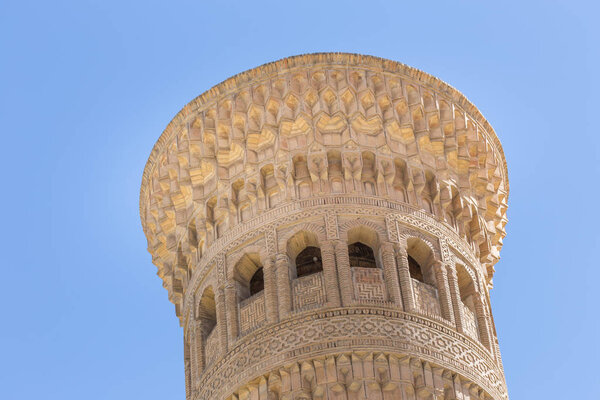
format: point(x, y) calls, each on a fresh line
point(257, 282)
point(415, 269)
point(309, 261)
point(207, 311)
point(361, 255)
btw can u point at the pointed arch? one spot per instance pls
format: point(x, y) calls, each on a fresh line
point(304, 252)
point(234, 258)
point(378, 228)
point(313, 228)
point(207, 311)
point(431, 242)
point(421, 258)
point(247, 275)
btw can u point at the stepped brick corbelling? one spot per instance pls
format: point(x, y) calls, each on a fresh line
point(327, 227)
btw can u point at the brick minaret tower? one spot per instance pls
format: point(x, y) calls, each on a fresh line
point(327, 227)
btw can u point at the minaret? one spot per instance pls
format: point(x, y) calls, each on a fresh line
point(327, 227)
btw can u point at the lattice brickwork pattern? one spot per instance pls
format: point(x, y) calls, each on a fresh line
point(252, 312)
point(308, 291)
point(369, 284)
point(426, 299)
point(212, 346)
point(469, 322)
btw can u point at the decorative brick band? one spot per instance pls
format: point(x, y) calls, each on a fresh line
point(329, 332)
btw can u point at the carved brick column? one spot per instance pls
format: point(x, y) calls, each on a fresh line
point(221, 319)
point(482, 321)
point(188, 369)
point(406, 288)
point(197, 353)
point(441, 277)
point(232, 313)
point(332, 291)
point(284, 287)
point(344, 273)
point(390, 272)
point(270, 290)
point(456, 301)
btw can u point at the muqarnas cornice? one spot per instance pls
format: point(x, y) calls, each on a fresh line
point(425, 137)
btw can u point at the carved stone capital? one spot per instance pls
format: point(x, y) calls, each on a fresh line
point(281, 259)
point(327, 246)
point(387, 247)
point(400, 250)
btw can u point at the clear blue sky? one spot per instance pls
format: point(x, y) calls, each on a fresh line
point(86, 87)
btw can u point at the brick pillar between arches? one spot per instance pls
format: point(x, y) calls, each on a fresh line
point(284, 288)
point(482, 322)
point(332, 288)
point(188, 366)
point(270, 290)
point(221, 320)
point(232, 313)
point(344, 273)
point(406, 288)
point(197, 353)
point(456, 301)
point(441, 277)
point(390, 272)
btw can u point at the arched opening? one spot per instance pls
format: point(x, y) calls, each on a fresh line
point(420, 264)
point(416, 272)
point(363, 247)
point(309, 261)
point(306, 266)
point(248, 276)
point(257, 282)
point(420, 258)
point(365, 265)
point(466, 287)
point(361, 256)
point(207, 316)
point(304, 250)
point(467, 292)
point(207, 311)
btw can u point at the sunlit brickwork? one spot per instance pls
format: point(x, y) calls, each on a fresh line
point(327, 227)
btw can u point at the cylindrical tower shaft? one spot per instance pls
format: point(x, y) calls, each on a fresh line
point(327, 226)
